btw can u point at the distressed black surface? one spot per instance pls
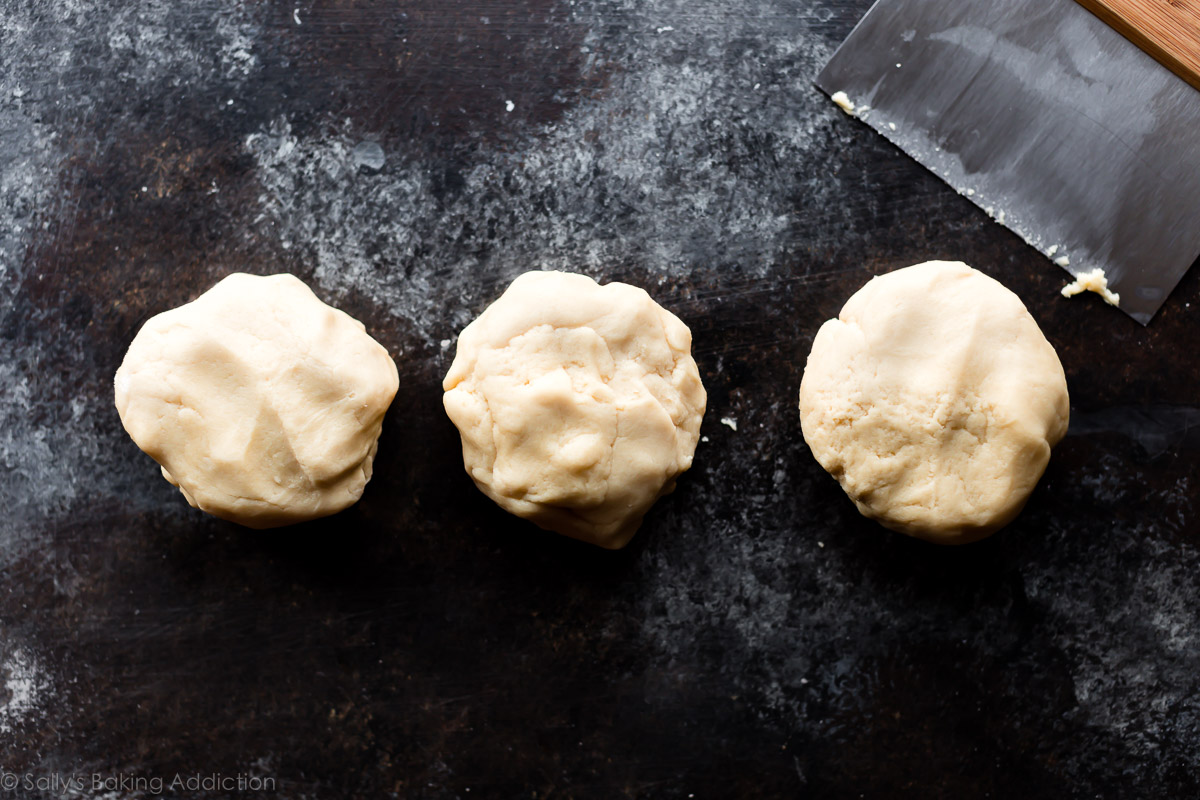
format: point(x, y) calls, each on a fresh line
point(758, 638)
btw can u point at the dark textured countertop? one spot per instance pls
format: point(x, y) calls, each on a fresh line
point(757, 639)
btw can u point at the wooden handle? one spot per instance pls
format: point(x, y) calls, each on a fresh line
point(1169, 30)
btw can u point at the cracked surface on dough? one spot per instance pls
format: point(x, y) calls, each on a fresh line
point(578, 404)
point(934, 399)
point(260, 402)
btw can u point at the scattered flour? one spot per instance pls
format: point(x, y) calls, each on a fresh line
point(668, 153)
point(51, 456)
point(782, 606)
point(24, 686)
point(368, 155)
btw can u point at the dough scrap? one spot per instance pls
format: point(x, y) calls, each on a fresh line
point(578, 404)
point(1092, 281)
point(934, 399)
point(842, 100)
point(260, 402)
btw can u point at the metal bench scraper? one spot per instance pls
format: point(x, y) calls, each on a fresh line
point(1058, 126)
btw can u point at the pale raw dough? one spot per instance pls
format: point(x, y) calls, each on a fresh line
point(1092, 281)
point(578, 404)
point(261, 403)
point(934, 399)
point(844, 103)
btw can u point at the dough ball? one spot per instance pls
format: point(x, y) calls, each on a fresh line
point(261, 403)
point(578, 404)
point(934, 399)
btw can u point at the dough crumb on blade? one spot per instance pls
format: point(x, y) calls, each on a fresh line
point(578, 404)
point(1092, 281)
point(261, 403)
point(844, 103)
point(934, 399)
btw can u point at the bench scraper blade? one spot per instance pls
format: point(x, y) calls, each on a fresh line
point(1051, 121)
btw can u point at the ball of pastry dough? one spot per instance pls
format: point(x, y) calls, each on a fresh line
point(261, 403)
point(578, 404)
point(934, 399)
